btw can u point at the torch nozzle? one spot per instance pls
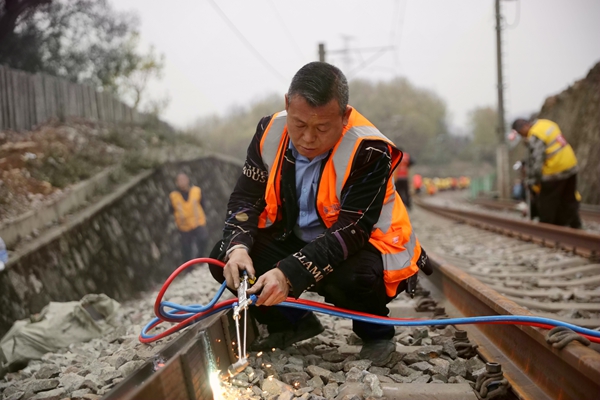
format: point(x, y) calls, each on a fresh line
point(237, 367)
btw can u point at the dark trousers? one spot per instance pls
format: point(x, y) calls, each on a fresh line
point(557, 203)
point(403, 191)
point(197, 237)
point(356, 284)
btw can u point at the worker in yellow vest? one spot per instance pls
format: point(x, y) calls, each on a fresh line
point(315, 209)
point(186, 206)
point(552, 171)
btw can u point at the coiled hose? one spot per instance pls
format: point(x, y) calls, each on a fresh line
point(184, 316)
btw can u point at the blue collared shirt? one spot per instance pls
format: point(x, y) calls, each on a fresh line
point(308, 172)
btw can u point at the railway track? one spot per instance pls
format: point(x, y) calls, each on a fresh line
point(550, 282)
point(587, 212)
point(187, 368)
point(478, 272)
point(578, 241)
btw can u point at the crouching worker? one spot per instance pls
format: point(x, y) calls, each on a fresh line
point(315, 209)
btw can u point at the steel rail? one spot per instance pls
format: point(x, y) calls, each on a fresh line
point(587, 212)
point(529, 363)
point(534, 369)
point(181, 370)
point(576, 240)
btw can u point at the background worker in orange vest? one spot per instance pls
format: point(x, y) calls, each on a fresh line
point(401, 177)
point(315, 209)
point(417, 183)
point(186, 206)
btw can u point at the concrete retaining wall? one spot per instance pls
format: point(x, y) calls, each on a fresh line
point(76, 196)
point(120, 246)
point(12, 231)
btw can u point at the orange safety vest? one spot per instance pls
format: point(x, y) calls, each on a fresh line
point(402, 168)
point(188, 214)
point(392, 235)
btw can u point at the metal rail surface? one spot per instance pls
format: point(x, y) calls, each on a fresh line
point(578, 241)
point(535, 369)
point(530, 363)
point(182, 369)
point(587, 212)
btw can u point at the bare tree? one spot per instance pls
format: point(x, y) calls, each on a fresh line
point(84, 41)
point(12, 10)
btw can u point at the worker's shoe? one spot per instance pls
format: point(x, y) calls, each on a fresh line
point(378, 351)
point(308, 327)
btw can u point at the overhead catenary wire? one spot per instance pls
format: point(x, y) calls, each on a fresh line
point(394, 44)
point(394, 18)
point(287, 31)
point(397, 38)
point(368, 61)
point(245, 41)
point(393, 31)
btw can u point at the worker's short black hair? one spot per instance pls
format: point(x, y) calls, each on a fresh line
point(519, 123)
point(318, 83)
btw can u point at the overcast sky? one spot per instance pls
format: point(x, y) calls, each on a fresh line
point(444, 45)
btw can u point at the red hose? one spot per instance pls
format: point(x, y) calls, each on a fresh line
point(174, 275)
point(182, 324)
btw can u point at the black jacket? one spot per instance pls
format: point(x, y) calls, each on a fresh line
point(361, 202)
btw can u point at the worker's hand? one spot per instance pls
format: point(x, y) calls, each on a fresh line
point(239, 260)
point(536, 188)
point(272, 286)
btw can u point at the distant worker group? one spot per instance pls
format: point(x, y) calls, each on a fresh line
point(551, 172)
point(432, 185)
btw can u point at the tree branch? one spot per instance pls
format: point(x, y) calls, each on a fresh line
point(11, 12)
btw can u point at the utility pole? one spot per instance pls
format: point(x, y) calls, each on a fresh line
point(502, 170)
point(322, 52)
point(501, 122)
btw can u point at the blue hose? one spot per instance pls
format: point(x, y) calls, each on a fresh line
point(144, 334)
point(447, 321)
point(188, 311)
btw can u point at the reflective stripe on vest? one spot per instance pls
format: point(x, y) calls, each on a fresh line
point(346, 148)
point(270, 145)
point(392, 235)
point(559, 155)
point(402, 260)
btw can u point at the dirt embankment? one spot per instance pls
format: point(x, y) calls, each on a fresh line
point(577, 112)
point(41, 165)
